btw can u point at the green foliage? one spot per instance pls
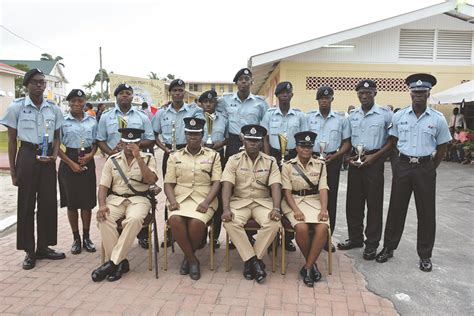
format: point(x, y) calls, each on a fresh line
point(19, 89)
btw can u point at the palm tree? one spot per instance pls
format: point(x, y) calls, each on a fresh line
point(46, 56)
point(153, 75)
point(105, 78)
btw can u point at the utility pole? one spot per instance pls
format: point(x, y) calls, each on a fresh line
point(101, 75)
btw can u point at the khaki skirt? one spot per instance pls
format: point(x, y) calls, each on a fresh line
point(187, 208)
point(310, 206)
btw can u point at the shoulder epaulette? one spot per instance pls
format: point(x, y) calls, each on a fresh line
point(264, 155)
point(272, 109)
point(237, 155)
point(50, 102)
point(260, 97)
point(297, 110)
point(19, 99)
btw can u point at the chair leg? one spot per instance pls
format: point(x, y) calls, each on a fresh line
point(150, 246)
point(227, 265)
point(165, 266)
point(274, 248)
point(102, 258)
point(329, 252)
point(283, 251)
point(211, 241)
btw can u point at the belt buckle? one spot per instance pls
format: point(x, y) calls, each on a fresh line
point(414, 160)
point(301, 192)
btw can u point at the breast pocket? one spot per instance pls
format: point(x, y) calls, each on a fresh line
point(355, 129)
point(262, 177)
point(112, 126)
point(335, 135)
point(375, 129)
point(251, 114)
point(27, 122)
point(166, 127)
point(403, 134)
point(274, 128)
point(429, 135)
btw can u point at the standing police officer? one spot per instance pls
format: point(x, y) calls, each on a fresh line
point(241, 108)
point(419, 131)
point(333, 129)
point(283, 120)
point(29, 120)
point(369, 128)
point(124, 115)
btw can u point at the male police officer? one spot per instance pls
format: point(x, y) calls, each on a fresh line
point(369, 130)
point(333, 130)
point(419, 131)
point(247, 180)
point(287, 121)
point(126, 200)
point(34, 121)
point(124, 115)
point(241, 108)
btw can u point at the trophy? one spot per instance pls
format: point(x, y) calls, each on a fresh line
point(283, 140)
point(360, 152)
point(322, 148)
point(44, 144)
point(173, 136)
point(82, 152)
point(209, 123)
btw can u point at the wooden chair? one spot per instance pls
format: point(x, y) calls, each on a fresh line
point(286, 227)
point(251, 225)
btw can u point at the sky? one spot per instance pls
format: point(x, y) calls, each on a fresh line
point(207, 40)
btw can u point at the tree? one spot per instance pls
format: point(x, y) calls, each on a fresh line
point(171, 77)
point(105, 79)
point(46, 56)
point(19, 88)
point(153, 75)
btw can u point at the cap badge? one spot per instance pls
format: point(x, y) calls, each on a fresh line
point(366, 84)
point(288, 86)
point(79, 93)
point(209, 95)
point(192, 123)
point(39, 70)
point(253, 131)
point(127, 86)
point(130, 135)
point(180, 82)
point(246, 72)
point(307, 138)
point(326, 92)
point(419, 83)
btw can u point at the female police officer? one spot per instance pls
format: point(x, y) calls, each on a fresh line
point(306, 195)
point(191, 185)
point(77, 182)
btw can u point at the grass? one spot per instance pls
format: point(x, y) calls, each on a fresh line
point(4, 142)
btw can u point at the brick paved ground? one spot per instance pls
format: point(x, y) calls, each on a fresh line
point(65, 287)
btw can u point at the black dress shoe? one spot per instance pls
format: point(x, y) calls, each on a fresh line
point(122, 267)
point(260, 273)
point(426, 265)
point(48, 253)
point(30, 261)
point(231, 245)
point(249, 274)
point(289, 246)
point(184, 267)
point(369, 253)
point(333, 249)
point(384, 255)
point(143, 242)
point(103, 271)
point(168, 240)
point(348, 244)
point(308, 277)
point(194, 271)
point(88, 245)
point(316, 273)
point(262, 264)
point(76, 247)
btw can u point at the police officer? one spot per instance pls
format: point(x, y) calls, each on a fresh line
point(76, 174)
point(369, 130)
point(248, 179)
point(419, 132)
point(34, 121)
point(333, 129)
point(219, 138)
point(124, 115)
point(306, 197)
point(140, 169)
point(192, 183)
point(241, 108)
point(287, 121)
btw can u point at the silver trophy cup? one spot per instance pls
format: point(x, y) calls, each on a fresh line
point(322, 148)
point(360, 152)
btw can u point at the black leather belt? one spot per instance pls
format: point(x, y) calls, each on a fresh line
point(33, 146)
point(305, 192)
point(318, 154)
point(415, 160)
point(126, 195)
point(367, 152)
point(86, 149)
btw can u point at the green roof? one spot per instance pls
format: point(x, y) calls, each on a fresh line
point(45, 66)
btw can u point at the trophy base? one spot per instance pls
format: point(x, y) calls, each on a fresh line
point(209, 145)
point(42, 158)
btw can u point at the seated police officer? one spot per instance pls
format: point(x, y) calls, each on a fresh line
point(127, 175)
point(251, 175)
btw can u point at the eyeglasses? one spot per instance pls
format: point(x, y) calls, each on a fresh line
point(35, 82)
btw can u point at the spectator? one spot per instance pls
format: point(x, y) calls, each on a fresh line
point(147, 111)
point(88, 109)
point(457, 121)
point(100, 110)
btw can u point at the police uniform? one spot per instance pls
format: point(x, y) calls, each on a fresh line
point(240, 113)
point(332, 130)
point(365, 184)
point(78, 136)
point(251, 198)
point(123, 202)
point(418, 138)
point(277, 123)
point(193, 176)
point(36, 180)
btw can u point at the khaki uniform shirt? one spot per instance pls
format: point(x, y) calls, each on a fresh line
point(251, 181)
point(111, 178)
point(193, 174)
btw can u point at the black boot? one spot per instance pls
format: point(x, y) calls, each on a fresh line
point(88, 245)
point(76, 247)
point(30, 260)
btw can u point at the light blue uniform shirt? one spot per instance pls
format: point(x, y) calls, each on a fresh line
point(219, 129)
point(276, 123)
point(419, 137)
point(30, 122)
point(108, 125)
point(250, 111)
point(161, 122)
point(371, 129)
point(333, 129)
point(74, 130)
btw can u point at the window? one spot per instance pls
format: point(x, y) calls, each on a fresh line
point(213, 87)
point(416, 44)
point(58, 84)
point(221, 89)
point(454, 45)
point(230, 88)
point(194, 87)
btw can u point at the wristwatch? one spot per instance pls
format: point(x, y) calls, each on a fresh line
point(278, 210)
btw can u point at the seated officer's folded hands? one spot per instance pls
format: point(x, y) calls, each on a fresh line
point(203, 206)
point(299, 216)
point(102, 213)
point(227, 216)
